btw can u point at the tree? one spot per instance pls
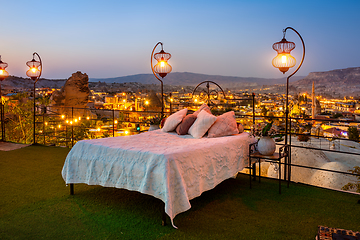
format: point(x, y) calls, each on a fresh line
point(337, 115)
point(264, 111)
point(353, 134)
point(18, 119)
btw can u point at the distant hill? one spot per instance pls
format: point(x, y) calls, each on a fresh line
point(192, 79)
point(334, 83)
point(13, 82)
point(340, 82)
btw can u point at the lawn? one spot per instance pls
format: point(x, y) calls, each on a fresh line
point(35, 204)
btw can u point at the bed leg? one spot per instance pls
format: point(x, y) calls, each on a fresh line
point(163, 217)
point(71, 189)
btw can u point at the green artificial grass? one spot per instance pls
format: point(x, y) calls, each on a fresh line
point(35, 204)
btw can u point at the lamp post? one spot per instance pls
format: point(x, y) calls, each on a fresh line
point(3, 74)
point(34, 73)
point(283, 61)
point(162, 68)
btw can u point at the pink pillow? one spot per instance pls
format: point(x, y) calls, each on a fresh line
point(240, 127)
point(202, 107)
point(224, 125)
point(186, 123)
point(173, 120)
point(202, 124)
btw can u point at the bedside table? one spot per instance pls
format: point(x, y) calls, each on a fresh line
point(256, 157)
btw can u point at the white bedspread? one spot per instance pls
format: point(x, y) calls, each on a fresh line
point(167, 166)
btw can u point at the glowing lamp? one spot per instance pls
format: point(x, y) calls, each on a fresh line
point(3, 73)
point(283, 61)
point(35, 69)
point(162, 67)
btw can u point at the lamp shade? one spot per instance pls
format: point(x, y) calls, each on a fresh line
point(162, 67)
point(3, 73)
point(283, 61)
point(34, 71)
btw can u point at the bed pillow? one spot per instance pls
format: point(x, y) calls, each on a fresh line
point(173, 120)
point(186, 123)
point(240, 127)
point(162, 123)
point(202, 107)
point(224, 125)
point(202, 124)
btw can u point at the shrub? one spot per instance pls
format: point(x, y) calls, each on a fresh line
point(303, 138)
point(353, 134)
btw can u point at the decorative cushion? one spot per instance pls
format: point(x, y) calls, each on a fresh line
point(162, 123)
point(202, 107)
point(202, 124)
point(173, 120)
point(240, 127)
point(224, 125)
point(186, 123)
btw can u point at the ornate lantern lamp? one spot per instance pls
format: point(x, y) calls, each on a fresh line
point(162, 68)
point(34, 73)
point(35, 68)
point(283, 61)
point(3, 74)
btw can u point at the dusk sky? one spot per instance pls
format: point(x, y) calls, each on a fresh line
point(233, 38)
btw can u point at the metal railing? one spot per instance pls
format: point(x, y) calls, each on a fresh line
point(64, 126)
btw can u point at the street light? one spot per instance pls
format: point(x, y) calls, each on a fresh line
point(283, 61)
point(162, 68)
point(34, 73)
point(3, 74)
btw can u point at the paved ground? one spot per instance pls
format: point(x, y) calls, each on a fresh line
point(7, 146)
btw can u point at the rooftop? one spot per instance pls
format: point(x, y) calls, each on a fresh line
point(36, 204)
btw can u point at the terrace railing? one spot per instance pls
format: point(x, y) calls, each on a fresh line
point(64, 126)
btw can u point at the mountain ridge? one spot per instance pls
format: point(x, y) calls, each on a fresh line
point(337, 82)
point(334, 83)
point(193, 79)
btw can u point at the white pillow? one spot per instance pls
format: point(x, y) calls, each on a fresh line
point(202, 123)
point(173, 120)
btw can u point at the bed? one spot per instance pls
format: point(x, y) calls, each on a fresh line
point(173, 168)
